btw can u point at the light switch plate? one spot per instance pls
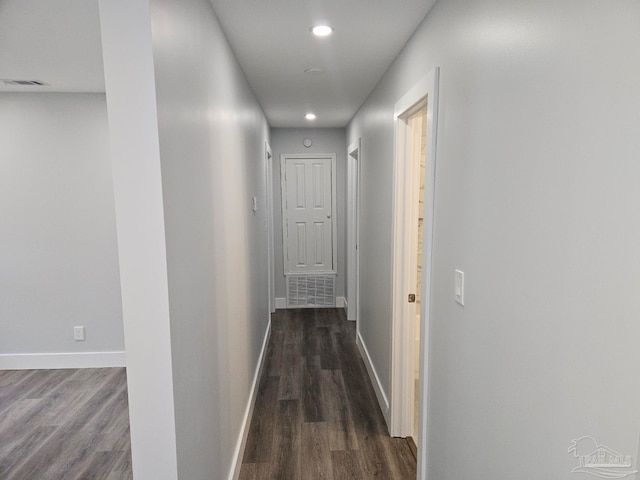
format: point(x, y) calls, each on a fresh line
point(459, 287)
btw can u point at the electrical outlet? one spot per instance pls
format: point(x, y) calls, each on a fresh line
point(78, 333)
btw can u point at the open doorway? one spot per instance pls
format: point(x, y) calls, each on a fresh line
point(417, 132)
point(414, 136)
point(414, 191)
point(353, 207)
point(268, 168)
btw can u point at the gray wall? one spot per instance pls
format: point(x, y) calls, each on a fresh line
point(189, 141)
point(59, 258)
point(537, 201)
point(212, 165)
point(325, 140)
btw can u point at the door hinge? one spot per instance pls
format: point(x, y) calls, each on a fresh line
point(412, 298)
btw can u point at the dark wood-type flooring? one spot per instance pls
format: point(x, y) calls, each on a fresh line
point(64, 425)
point(316, 414)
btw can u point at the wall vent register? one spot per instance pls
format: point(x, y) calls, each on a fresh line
point(23, 83)
point(309, 291)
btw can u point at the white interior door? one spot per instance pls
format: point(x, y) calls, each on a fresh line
point(308, 205)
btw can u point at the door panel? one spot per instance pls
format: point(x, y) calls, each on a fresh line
point(300, 184)
point(319, 249)
point(318, 175)
point(308, 214)
point(300, 245)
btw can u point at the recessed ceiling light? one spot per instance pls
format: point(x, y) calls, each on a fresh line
point(322, 30)
point(310, 116)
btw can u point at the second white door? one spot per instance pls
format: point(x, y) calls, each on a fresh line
point(308, 210)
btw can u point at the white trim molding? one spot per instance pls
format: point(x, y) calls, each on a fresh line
point(55, 361)
point(354, 160)
point(403, 336)
point(238, 453)
point(375, 380)
point(345, 305)
point(334, 212)
point(271, 262)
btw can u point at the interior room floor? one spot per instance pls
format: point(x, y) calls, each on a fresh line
point(64, 424)
point(316, 414)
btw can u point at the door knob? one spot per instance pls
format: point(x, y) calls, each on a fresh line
point(328, 216)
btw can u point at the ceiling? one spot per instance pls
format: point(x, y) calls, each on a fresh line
point(54, 41)
point(58, 42)
point(274, 46)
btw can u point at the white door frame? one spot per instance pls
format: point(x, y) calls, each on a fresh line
point(354, 154)
point(402, 397)
point(268, 158)
point(334, 213)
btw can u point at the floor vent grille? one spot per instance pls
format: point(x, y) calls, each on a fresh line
point(311, 291)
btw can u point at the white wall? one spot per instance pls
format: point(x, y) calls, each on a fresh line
point(212, 147)
point(59, 259)
point(537, 201)
point(135, 157)
point(325, 140)
point(208, 141)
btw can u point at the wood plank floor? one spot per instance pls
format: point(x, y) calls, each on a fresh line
point(64, 424)
point(316, 414)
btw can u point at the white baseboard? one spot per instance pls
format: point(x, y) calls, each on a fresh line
point(236, 463)
point(341, 302)
point(281, 303)
point(345, 306)
point(377, 386)
point(54, 361)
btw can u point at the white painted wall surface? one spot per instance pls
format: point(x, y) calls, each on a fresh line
point(198, 134)
point(325, 140)
point(59, 258)
point(212, 140)
point(537, 202)
point(135, 157)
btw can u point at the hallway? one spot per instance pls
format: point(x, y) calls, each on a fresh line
point(316, 415)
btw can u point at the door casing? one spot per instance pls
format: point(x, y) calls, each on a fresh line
point(268, 158)
point(334, 234)
point(402, 389)
point(354, 154)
